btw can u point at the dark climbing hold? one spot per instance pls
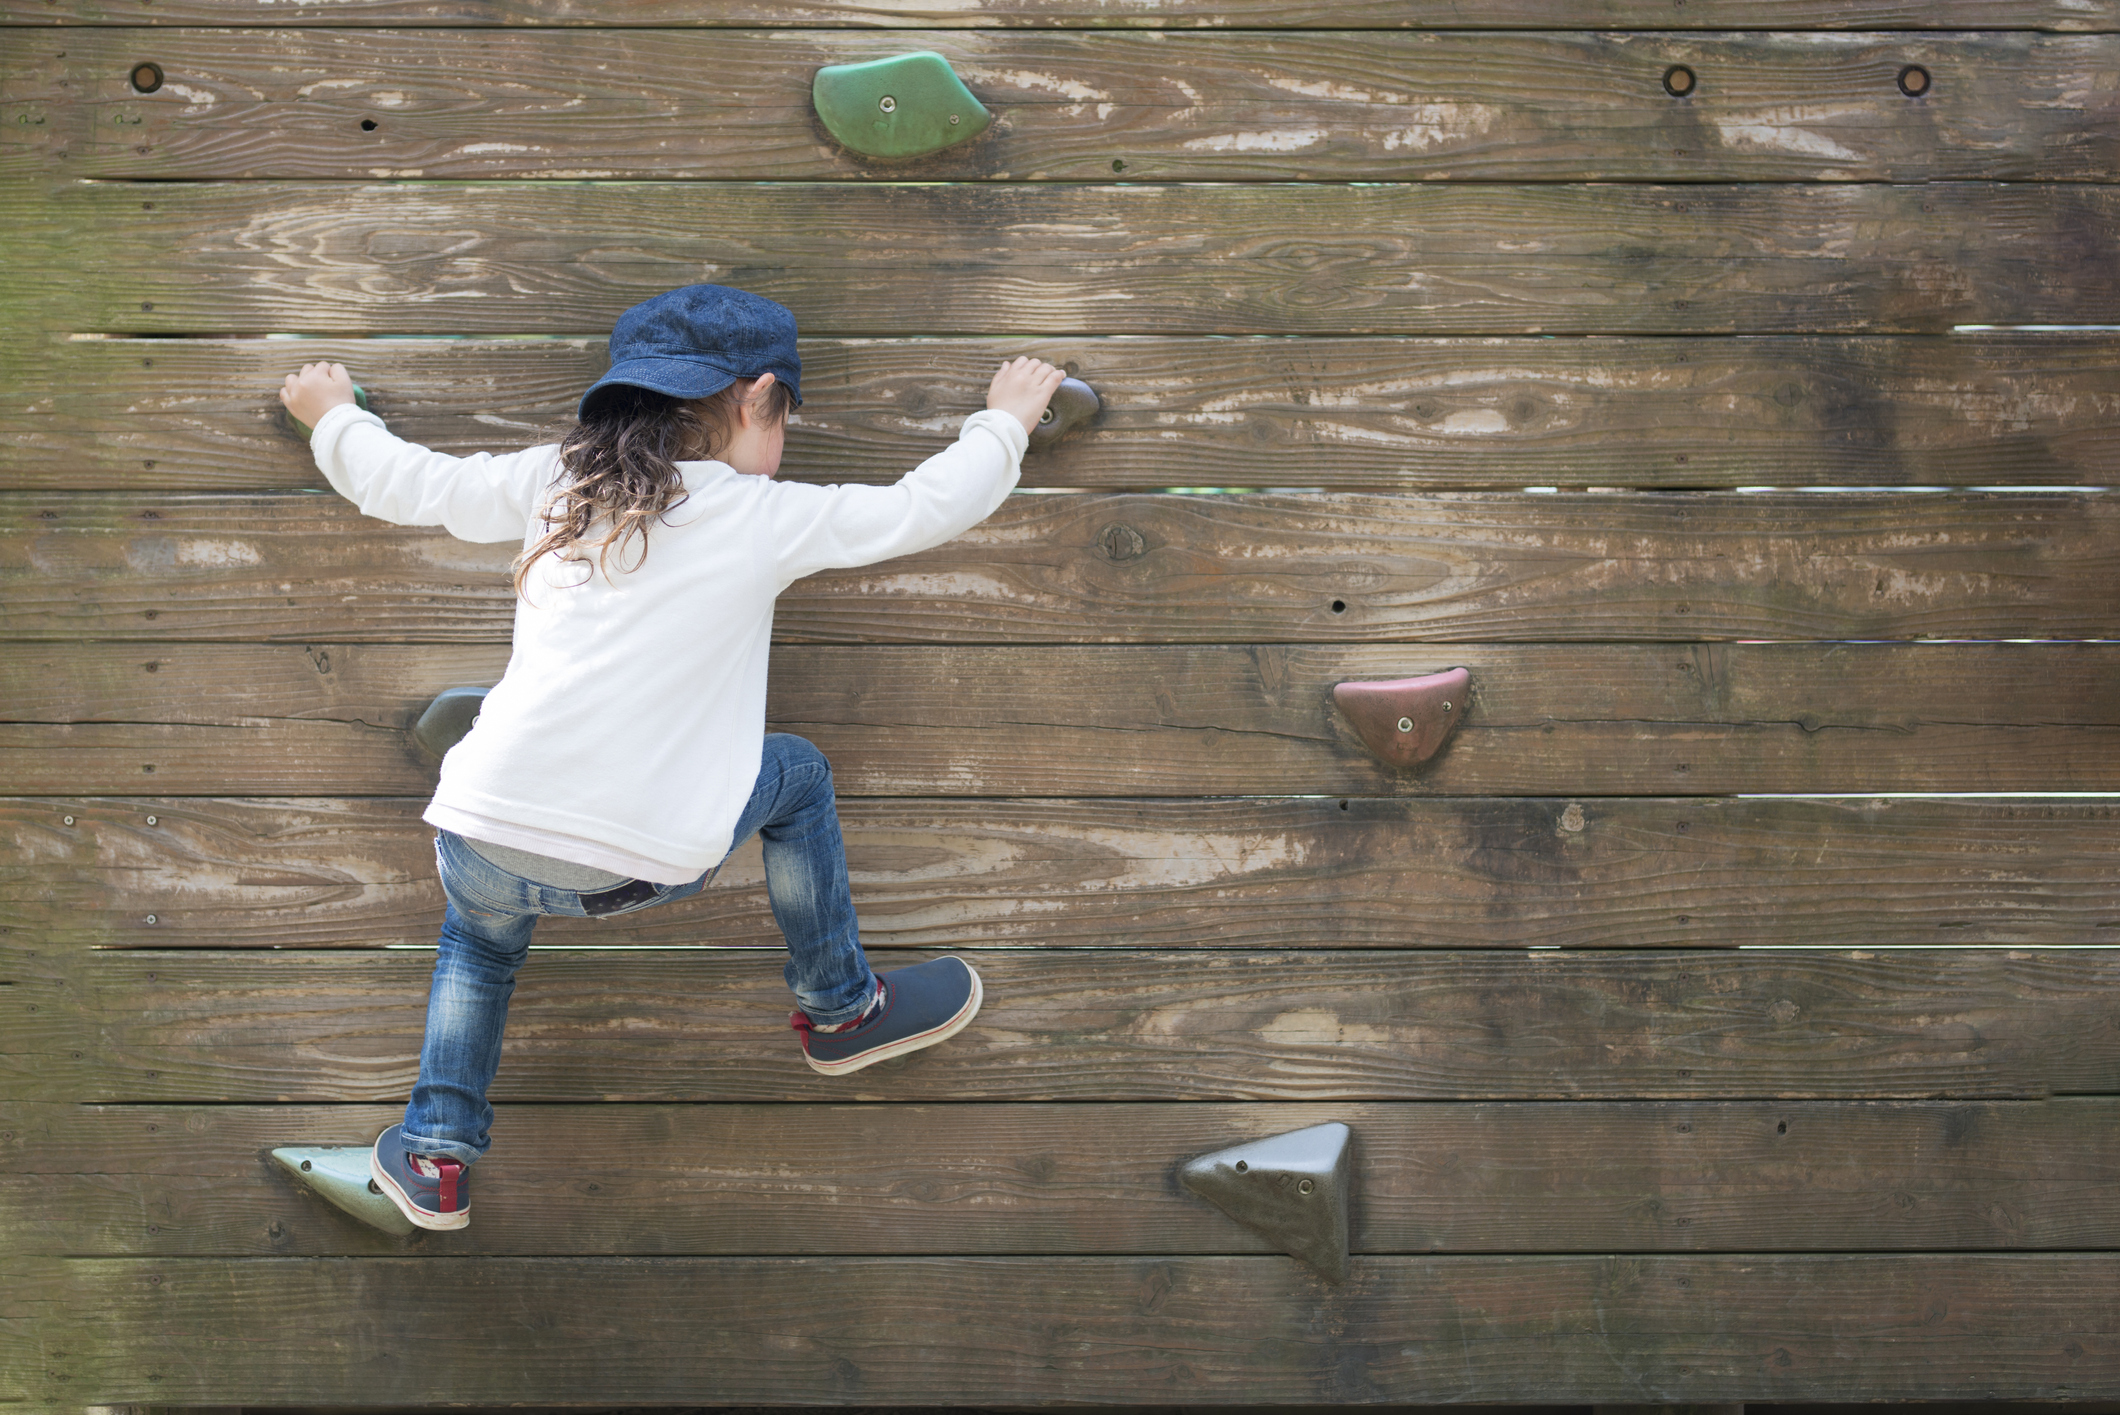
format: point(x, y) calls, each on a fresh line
point(1293, 1190)
point(448, 718)
point(1073, 404)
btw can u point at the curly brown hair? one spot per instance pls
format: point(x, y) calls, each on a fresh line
point(620, 467)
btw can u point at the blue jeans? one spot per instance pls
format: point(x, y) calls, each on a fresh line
point(486, 935)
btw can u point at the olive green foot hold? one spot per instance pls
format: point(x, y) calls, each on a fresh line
point(1293, 1190)
point(448, 718)
point(340, 1174)
point(906, 106)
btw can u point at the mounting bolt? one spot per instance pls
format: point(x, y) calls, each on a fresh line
point(1045, 416)
point(955, 119)
point(1679, 81)
point(1914, 81)
point(1405, 724)
point(154, 820)
point(888, 104)
point(1305, 1187)
point(146, 77)
point(69, 820)
point(1446, 705)
point(305, 1166)
point(150, 918)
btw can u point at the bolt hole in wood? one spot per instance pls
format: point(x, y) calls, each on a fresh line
point(1680, 81)
point(147, 77)
point(1339, 606)
point(1914, 81)
point(1782, 1129)
point(367, 125)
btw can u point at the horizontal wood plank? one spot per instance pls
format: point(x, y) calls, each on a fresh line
point(1030, 258)
point(730, 1180)
point(598, 1025)
point(736, 105)
point(1299, 567)
point(1214, 874)
point(2066, 15)
point(1382, 414)
point(1541, 720)
point(1030, 1331)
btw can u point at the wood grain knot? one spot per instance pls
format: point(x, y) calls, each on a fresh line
point(1121, 543)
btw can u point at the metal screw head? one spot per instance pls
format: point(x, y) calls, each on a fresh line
point(374, 1188)
point(1914, 81)
point(1305, 1187)
point(1242, 1167)
point(154, 820)
point(888, 104)
point(146, 77)
point(955, 120)
point(150, 918)
point(69, 820)
point(1679, 81)
point(1405, 724)
point(1046, 416)
point(1446, 707)
point(305, 1166)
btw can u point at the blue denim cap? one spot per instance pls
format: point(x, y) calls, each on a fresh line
point(698, 340)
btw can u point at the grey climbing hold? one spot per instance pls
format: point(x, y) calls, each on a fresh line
point(448, 718)
point(339, 1173)
point(1073, 404)
point(1293, 1190)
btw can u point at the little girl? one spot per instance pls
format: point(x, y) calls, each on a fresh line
point(624, 753)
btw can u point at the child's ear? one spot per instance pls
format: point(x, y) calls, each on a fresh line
point(748, 406)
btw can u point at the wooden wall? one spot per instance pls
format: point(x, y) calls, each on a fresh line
point(1689, 1060)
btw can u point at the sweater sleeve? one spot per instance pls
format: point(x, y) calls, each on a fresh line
point(478, 498)
point(836, 527)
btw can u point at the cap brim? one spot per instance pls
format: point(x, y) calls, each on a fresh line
point(679, 378)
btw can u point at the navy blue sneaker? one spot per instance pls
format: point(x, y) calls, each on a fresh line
point(916, 1007)
point(433, 1191)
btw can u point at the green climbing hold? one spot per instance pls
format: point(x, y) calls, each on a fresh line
point(360, 400)
point(906, 106)
point(339, 1175)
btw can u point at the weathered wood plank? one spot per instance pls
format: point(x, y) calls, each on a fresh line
point(1030, 258)
point(1029, 1331)
point(630, 104)
point(1147, 568)
point(1356, 414)
point(1543, 720)
point(711, 1025)
point(729, 1180)
point(2064, 15)
point(1220, 874)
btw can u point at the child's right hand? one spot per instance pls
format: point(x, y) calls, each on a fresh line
point(1023, 386)
point(315, 391)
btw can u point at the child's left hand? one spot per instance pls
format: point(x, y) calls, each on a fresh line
point(315, 391)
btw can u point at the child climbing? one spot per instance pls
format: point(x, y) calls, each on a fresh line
point(624, 753)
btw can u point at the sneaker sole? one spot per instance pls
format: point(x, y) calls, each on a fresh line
point(419, 1216)
point(943, 1033)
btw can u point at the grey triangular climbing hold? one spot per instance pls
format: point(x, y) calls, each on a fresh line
point(339, 1173)
point(1293, 1190)
point(908, 105)
point(448, 718)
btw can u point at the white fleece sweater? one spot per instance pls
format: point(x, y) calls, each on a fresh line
point(627, 732)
